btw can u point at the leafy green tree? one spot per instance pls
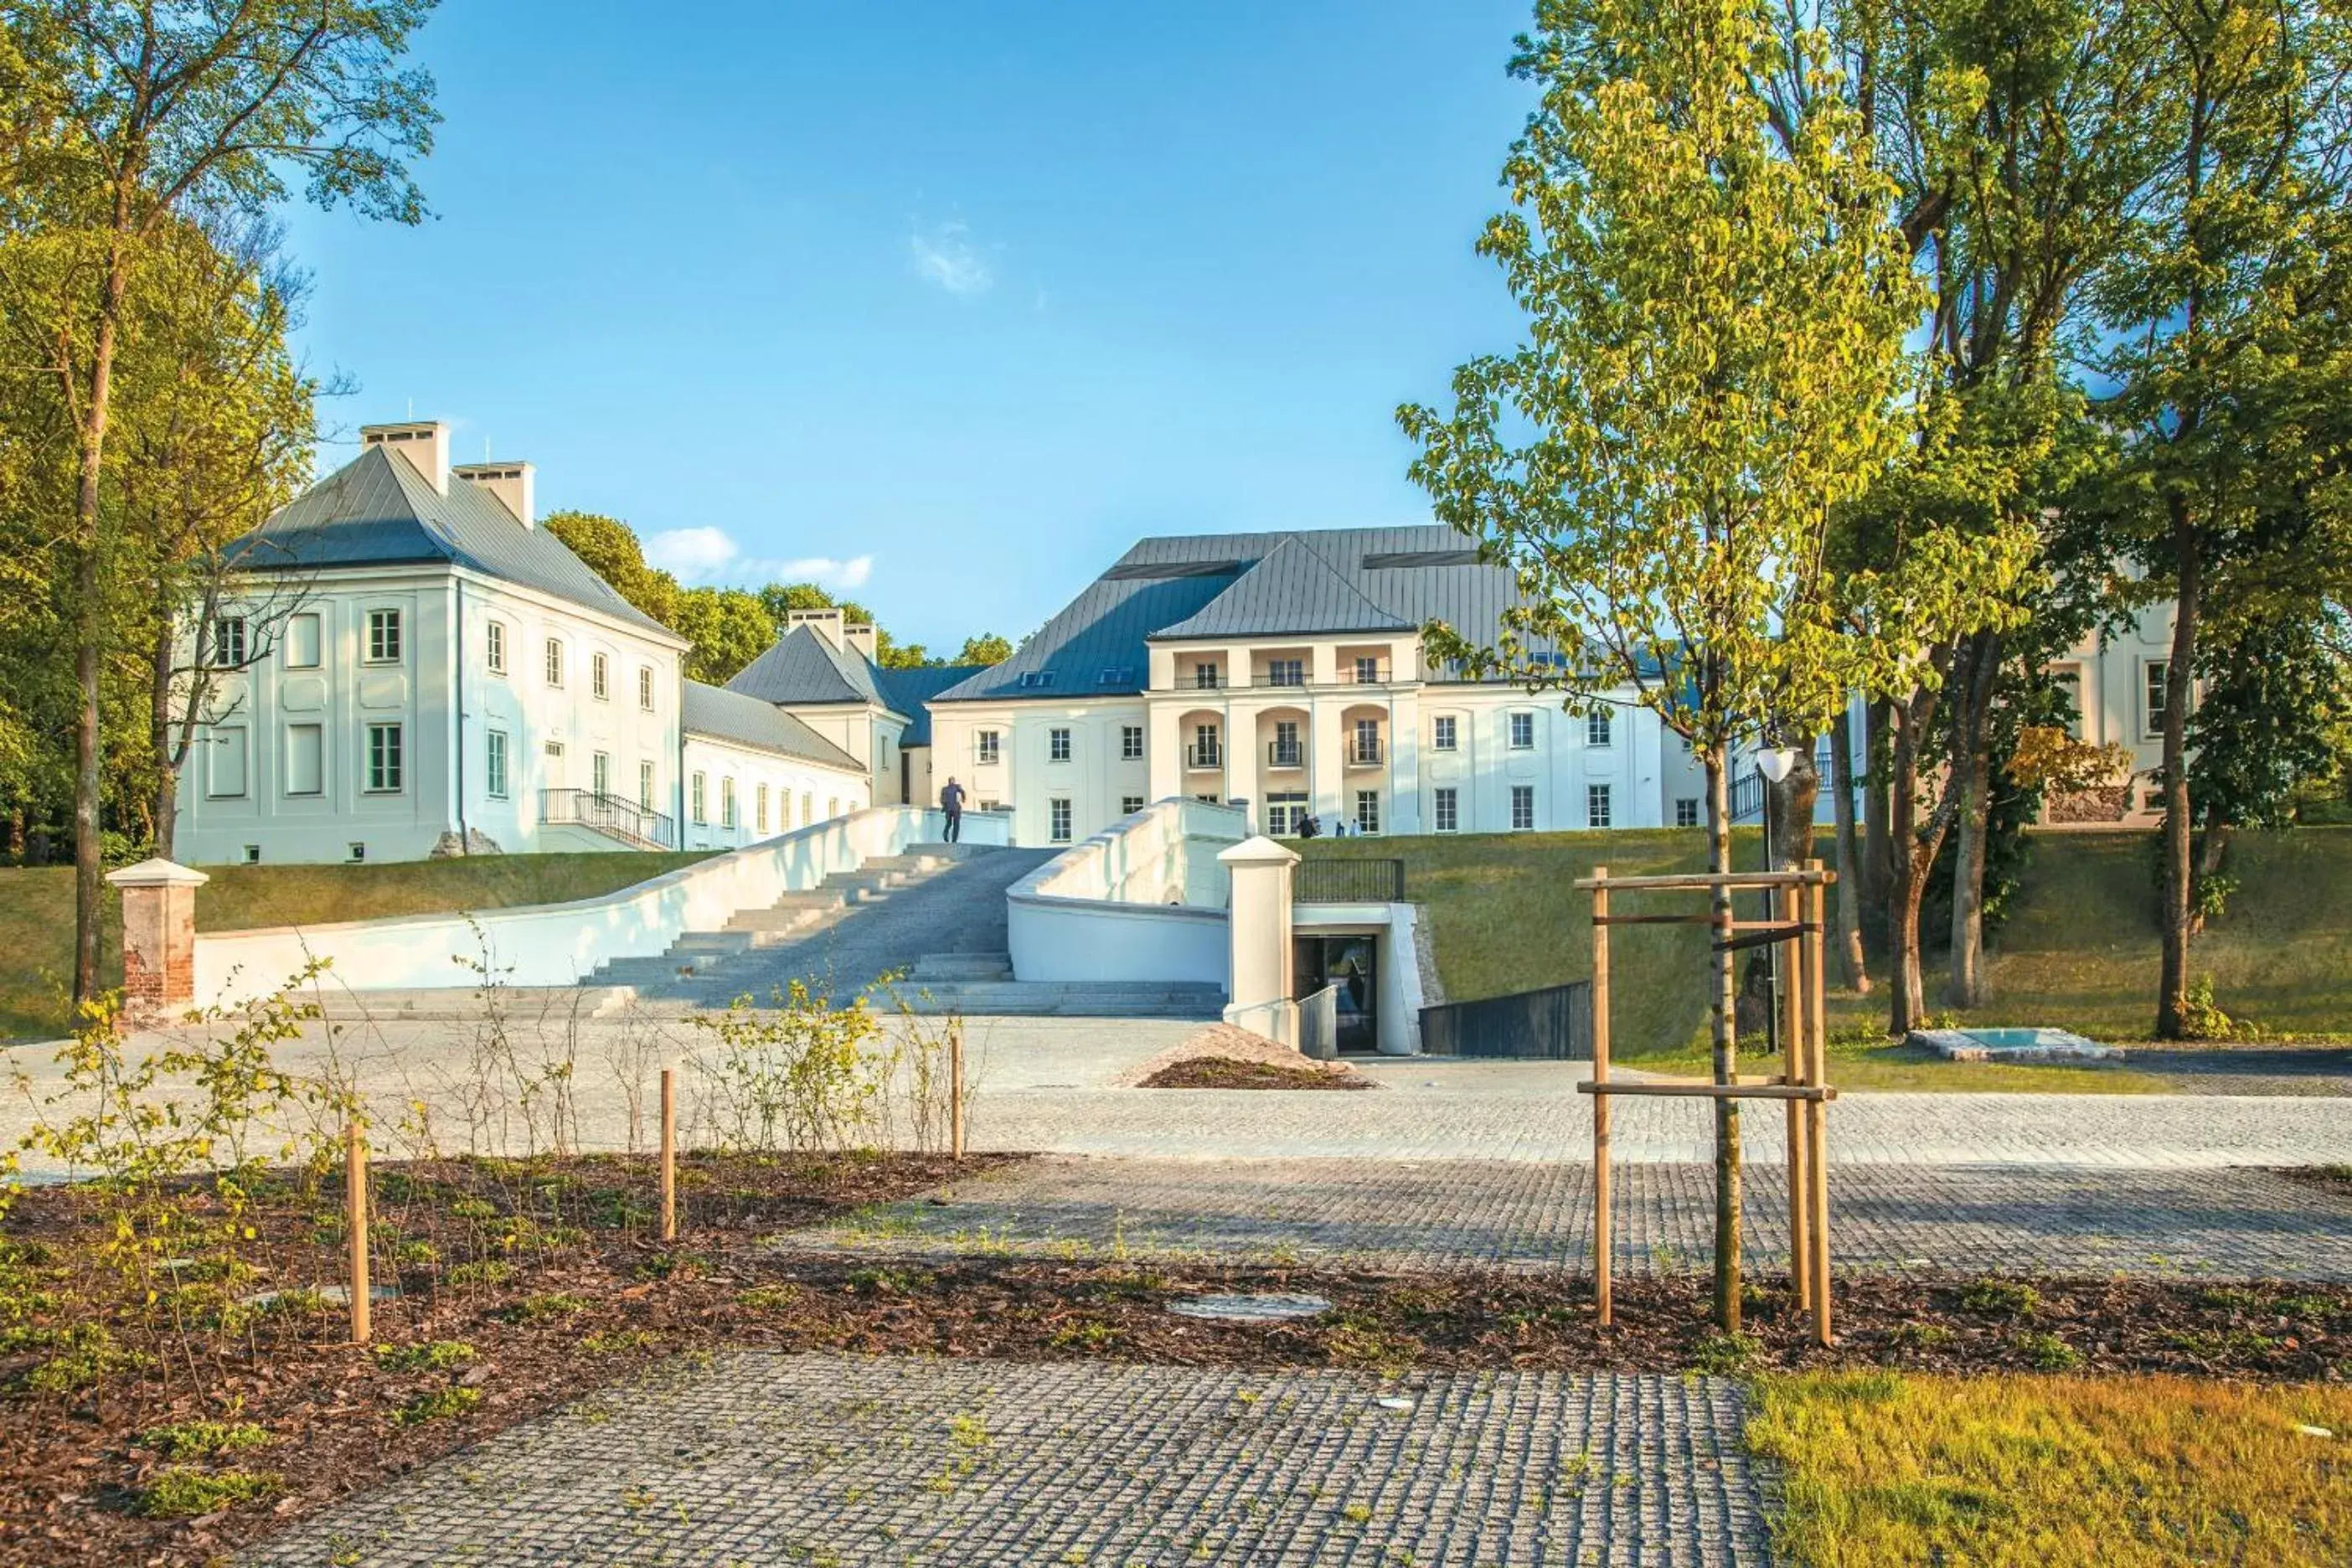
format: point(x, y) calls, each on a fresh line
point(131, 115)
point(2219, 326)
point(610, 549)
point(1715, 298)
point(728, 628)
point(986, 648)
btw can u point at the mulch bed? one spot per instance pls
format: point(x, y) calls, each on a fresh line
point(1229, 1072)
point(591, 1295)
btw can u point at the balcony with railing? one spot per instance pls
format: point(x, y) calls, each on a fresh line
point(1363, 752)
point(615, 816)
point(1205, 756)
point(1285, 754)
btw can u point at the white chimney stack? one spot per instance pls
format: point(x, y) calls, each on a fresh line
point(510, 482)
point(423, 442)
point(826, 623)
point(859, 637)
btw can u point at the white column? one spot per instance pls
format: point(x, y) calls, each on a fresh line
point(1325, 758)
point(1258, 920)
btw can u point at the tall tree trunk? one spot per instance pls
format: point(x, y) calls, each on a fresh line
point(1970, 780)
point(1794, 801)
point(165, 800)
point(2172, 981)
point(1877, 879)
point(2212, 848)
point(1727, 1057)
point(1914, 845)
point(1849, 857)
point(89, 618)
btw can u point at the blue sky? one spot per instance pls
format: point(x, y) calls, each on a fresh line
point(952, 301)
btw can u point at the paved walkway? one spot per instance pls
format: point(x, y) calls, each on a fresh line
point(1518, 1215)
point(766, 1458)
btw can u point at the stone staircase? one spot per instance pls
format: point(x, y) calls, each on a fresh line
point(934, 917)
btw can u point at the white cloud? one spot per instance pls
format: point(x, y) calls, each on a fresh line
point(946, 257)
point(699, 555)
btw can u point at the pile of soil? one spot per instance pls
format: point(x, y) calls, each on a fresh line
point(1227, 1073)
point(1223, 1057)
point(588, 1295)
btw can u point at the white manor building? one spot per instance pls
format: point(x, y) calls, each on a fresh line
point(421, 669)
point(425, 670)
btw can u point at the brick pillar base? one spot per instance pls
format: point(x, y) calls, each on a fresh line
point(159, 939)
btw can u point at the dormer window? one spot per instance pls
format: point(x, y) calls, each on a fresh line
point(1116, 675)
point(1033, 679)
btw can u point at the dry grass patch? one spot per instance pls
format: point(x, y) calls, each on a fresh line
point(1886, 1468)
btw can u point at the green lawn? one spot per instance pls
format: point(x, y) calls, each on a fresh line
point(2080, 952)
point(37, 908)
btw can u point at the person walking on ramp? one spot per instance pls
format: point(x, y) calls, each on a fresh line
point(952, 802)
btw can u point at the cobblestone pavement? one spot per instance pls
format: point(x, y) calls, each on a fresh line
point(766, 1458)
point(1466, 1214)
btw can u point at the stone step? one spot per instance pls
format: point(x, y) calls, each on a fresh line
point(962, 966)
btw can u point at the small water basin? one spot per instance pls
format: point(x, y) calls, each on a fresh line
point(2014, 1045)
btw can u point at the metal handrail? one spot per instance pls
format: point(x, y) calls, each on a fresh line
point(1363, 753)
point(1280, 755)
point(1200, 756)
point(616, 814)
point(1346, 880)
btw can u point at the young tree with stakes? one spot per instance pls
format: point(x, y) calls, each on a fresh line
point(1716, 311)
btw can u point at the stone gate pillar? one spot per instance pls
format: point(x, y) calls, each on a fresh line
point(159, 938)
point(1258, 916)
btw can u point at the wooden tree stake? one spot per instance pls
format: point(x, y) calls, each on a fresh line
point(1603, 1294)
point(1796, 1062)
point(669, 1154)
point(355, 1218)
point(955, 1088)
point(1817, 1161)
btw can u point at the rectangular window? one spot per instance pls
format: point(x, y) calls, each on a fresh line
point(1596, 805)
point(1686, 812)
point(1368, 811)
point(1523, 808)
point(1446, 817)
point(759, 811)
point(1057, 814)
point(384, 760)
point(306, 758)
point(383, 637)
point(555, 661)
point(1368, 741)
point(2155, 678)
point(494, 764)
point(1368, 672)
point(808, 808)
point(695, 806)
point(1596, 728)
point(228, 642)
point(646, 687)
point(726, 803)
point(302, 642)
point(1283, 813)
point(1441, 734)
point(832, 807)
point(1285, 750)
point(224, 767)
point(1204, 677)
point(1204, 746)
point(992, 744)
point(645, 787)
point(600, 685)
point(1129, 805)
point(1057, 745)
point(494, 646)
point(1523, 732)
point(1130, 743)
point(1285, 672)
point(600, 772)
point(2069, 682)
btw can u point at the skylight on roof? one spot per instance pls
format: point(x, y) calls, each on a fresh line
point(1159, 571)
point(1412, 558)
point(1033, 678)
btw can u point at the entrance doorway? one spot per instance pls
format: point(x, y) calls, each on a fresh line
point(1352, 964)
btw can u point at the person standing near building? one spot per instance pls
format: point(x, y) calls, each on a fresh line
point(952, 802)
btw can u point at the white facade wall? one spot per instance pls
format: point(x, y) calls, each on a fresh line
point(1097, 782)
point(2117, 700)
point(771, 794)
point(282, 771)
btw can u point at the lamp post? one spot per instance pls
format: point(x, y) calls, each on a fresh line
point(1773, 764)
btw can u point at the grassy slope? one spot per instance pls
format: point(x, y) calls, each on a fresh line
point(37, 908)
point(2081, 950)
point(2060, 1472)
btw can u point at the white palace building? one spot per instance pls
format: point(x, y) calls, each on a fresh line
point(435, 674)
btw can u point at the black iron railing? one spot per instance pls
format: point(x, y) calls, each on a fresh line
point(613, 814)
point(1746, 796)
point(1199, 756)
point(1551, 1024)
point(1285, 754)
point(1363, 752)
point(1317, 880)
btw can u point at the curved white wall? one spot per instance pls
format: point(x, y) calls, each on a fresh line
point(1144, 900)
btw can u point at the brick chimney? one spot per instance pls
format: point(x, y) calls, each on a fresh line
point(510, 482)
point(423, 442)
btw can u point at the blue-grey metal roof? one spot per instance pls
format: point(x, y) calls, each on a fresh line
point(378, 510)
point(804, 667)
point(909, 690)
point(723, 715)
point(1331, 581)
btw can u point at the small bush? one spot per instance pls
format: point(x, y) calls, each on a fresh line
point(2003, 1298)
point(889, 1281)
point(183, 1493)
point(205, 1439)
point(438, 1405)
point(432, 1355)
point(546, 1307)
point(769, 1298)
point(487, 1271)
point(415, 1254)
point(1921, 1336)
point(92, 1355)
point(474, 1208)
point(618, 1341)
point(1724, 1355)
point(2048, 1352)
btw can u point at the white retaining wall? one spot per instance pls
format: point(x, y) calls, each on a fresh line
point(560, 944)
point(1144, 900)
